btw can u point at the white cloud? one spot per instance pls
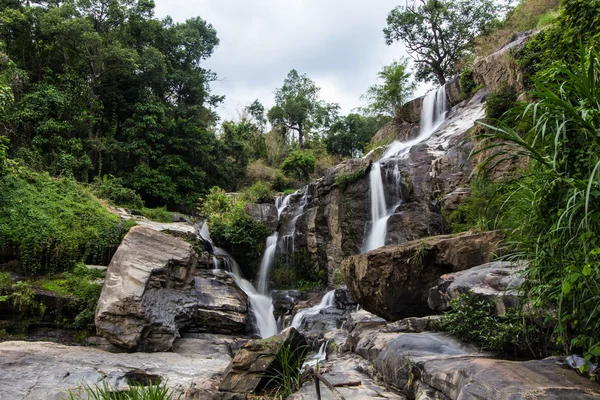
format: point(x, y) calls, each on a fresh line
point(337, 43)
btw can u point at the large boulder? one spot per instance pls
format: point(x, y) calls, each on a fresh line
point(393, 282)
point(256, 363)
point(39, 370)
point(496, 282)
point(152, 290)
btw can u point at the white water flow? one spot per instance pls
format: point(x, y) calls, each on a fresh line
point(267, 262)
point(327, 301)
point(261, 305)
point(316, 358)
point(433, 114)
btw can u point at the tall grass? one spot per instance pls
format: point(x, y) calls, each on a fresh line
point(555, 207)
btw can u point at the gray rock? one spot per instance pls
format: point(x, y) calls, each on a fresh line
point(152, 290)
point(264, 212)
point(454, 199)
point(255, 364)
point(496, 282)
point(394, 281)
point(40, 370)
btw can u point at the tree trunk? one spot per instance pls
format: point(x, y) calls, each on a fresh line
point(300, 136)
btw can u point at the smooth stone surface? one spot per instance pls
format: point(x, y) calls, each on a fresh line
point(496, 282)
point(265, 213)
point(41, 370)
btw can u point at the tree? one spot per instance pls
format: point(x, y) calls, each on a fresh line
point(349, 136)
point(299, 164)
point(387, 97)
point(256, 112)
point(439, 33)
point(298, 107)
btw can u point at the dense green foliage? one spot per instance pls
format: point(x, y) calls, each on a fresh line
point(349, 136)
point(260, 192)
point(467, 83)
point(513, 333)
point(438, 34)
point(554, 207)
point(299, 109)
point(94, 88)
point(234, 230)
point(499, 102)
point(394, 89)
point(50, 224)
point(299, 164)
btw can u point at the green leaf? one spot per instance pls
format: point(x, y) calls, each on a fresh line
point(587, 270)
point(566, 287)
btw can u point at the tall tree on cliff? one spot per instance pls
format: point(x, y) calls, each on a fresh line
point(439, 33)
point(298, 107)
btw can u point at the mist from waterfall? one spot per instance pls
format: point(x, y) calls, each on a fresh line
point(433, 114)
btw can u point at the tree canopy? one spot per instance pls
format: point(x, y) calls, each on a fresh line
point(298, 107)
point(388, 96)
point(101, 87)
point(439, 33)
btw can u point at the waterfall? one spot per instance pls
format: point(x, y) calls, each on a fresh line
point(327, 301)
point(433, 114)
point(261, 305)
point(267, 262)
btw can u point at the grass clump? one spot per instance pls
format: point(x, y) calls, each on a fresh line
point(104, 391)
point(286, 376)
point(51, 224)
point(159, 214)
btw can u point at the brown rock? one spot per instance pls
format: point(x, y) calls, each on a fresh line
point(256, 363)
point(393, 282)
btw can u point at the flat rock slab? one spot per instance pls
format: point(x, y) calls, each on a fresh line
point(42, 370)
point(484, 378)
point(346, 368)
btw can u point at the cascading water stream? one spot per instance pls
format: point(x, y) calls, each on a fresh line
point(327, 301)
point(267, 262)
point(260, 305)
point(433, 114)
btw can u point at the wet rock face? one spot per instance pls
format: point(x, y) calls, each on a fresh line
point(152, 290)
point(393, 282)
point(265, 213)
point(496, 282)
point(256, 363)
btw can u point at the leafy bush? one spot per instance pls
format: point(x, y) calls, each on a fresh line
point(52, 224)
point(284, 277)
point(555, 207)
point(281, 183)
point(135, 392)
point(258, 171)
point(234, 230)
point(3, 155)
point(22, 298)
point(159, 214)
point(260, 192)
point(499, 102)
point(299, 164)
point(112, 188)
point(474, 320)
point(467, 83)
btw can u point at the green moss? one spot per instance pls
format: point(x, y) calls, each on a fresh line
point(342, 181)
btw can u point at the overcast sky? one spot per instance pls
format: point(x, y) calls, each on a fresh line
point(338, 43)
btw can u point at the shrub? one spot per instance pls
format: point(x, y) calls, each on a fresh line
point(499, 102)
point(474, 320)
point(234, 230)
point(280, 182)
point(555, 205)
point(260, 192)
point(112, 188)
point(284, 277)
point(299, 164)
point(52, 224)
point(467, 83)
